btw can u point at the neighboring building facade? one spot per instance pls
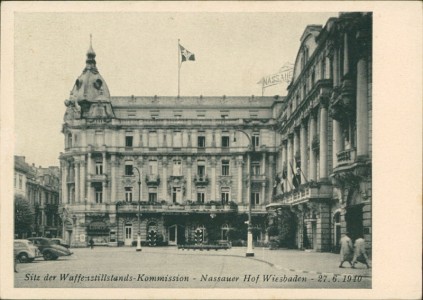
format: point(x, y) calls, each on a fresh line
point(325, 157)
point(193, 155)
point(40, 186)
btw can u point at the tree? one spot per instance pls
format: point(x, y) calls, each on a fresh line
point(24, 215)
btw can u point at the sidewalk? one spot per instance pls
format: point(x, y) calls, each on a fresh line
point(307, 262)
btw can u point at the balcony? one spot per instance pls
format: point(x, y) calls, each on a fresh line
point(201, 180)
point(305, 193)
point(346, 157)
point(97, 177)
point(152, 180)
point(258, 178)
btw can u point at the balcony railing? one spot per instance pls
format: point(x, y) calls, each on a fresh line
point(201, 180)
point(152, 179)
point(258, 177)
point(132, 207)
point(346, 156)
point(97, 177)
point(306, 192)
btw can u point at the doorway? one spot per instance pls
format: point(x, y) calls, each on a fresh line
point(177, 195)
point(176, 235)
point(128, 234)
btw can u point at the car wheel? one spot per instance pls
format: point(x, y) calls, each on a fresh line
point(23, 258)
point(48, 255)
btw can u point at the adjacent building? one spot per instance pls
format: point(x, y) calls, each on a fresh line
point(325, 156)
point(40, 187)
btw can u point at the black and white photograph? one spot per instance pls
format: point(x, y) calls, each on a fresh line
point(221, 150)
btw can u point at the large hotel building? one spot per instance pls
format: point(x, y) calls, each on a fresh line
point(196, 164)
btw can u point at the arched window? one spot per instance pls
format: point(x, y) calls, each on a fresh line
point(69, 140)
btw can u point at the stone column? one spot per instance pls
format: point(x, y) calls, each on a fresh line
point(82, 179)
point(65, 175)
point(189, 179)
point(113, 178)
point(105, 198)
point(323, 139)
point(362, 108)
point(104, 162)
point(346, 55)
point(338, 144)
point(285, 163)
point(90, 163)
point(289, 163)
point(303, 151)
point(213, 178)
point(164, 180)
point(77, 178)
point(239, 163)
point(296, 150)
point(335, 68)
point(313, 163)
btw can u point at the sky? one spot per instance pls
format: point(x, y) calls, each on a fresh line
point(137, 54)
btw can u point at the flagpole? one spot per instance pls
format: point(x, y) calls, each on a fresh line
point(179, 70)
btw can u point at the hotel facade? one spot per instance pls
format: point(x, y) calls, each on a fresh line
point(192, 165)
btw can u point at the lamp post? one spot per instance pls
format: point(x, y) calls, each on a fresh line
point(139, 210)
point(74, 218)
point(250, 251)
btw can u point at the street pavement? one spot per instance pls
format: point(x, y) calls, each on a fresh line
point(168, 267)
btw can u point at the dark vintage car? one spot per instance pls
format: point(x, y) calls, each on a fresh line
point(48, 249)
point(60, 242)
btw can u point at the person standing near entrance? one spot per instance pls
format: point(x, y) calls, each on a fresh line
point(346, 250)
point(91, 243)
point(360, 252)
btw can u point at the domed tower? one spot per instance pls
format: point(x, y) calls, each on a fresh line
point(90, 97)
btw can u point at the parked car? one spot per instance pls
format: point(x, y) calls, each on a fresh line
point(49, 250)
point(60, 242)
point(25, 251)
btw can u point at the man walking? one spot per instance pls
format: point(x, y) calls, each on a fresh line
point(346, 250)
point(360, 252)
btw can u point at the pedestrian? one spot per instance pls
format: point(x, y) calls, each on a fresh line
point(360, 254)
point(91, 243)
point(15, 264)
point(346, 250)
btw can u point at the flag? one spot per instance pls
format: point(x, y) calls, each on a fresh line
point(186, 55)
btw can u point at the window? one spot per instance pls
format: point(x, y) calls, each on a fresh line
point(132, 113)
point(225, 167)
point(69, 140)
point(178, 116)
point(152, 195)
point(128, 194)
point(20, 181)
point(98, 168)
point(201, 140)
point(256, 140)
point(255, 168)
point(255, 198)
point(224, 114)
point(225, 196)
point(129, 141)
point(154, 114)
point(129, 168)
point(98, 195)
point(177, 168)
point(225, 141)
point(225, 230)
point(201, 168)
point(152, 167)
point(200, 195)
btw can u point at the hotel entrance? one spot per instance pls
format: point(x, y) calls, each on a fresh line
point(176, 235)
